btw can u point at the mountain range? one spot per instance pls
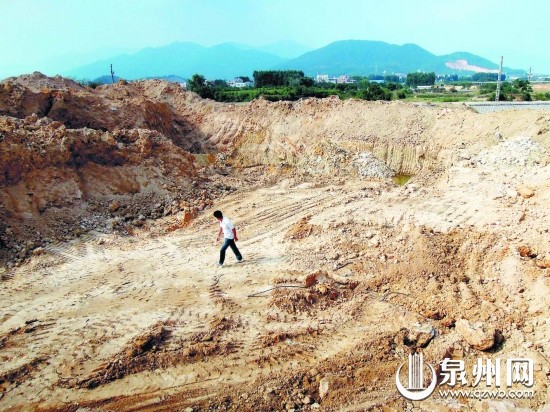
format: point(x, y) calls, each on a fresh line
point(229, 60)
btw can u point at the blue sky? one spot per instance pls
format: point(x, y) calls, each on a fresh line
point(56, 35)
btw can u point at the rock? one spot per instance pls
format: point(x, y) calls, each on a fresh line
point(38, 251)
point(526, 252)
point(424, 339)
point(370, 234)
point(525, 191)
point(375, 241)
point(315, 406)
point(311, 280)
point(481, 337)
point(306, 400)
point(511, 193)
point(323, 387)
point(114, 206)
point(322, 289)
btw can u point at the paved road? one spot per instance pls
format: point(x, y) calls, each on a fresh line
point(495, 107)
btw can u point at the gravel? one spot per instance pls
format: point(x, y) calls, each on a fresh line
point(521, 151)
point(369, 166)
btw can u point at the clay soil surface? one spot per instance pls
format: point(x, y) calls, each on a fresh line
point(345, 272)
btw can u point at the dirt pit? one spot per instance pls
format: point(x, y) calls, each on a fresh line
point(150, 322)
point(345, 274)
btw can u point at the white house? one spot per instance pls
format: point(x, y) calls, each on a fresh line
point(322, 78)
point(238, 82)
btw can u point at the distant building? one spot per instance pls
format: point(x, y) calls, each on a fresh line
point(238, 82)
point(324, 78)
point(345, 79)
point(321, 78)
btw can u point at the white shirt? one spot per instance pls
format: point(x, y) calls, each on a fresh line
point(227, 227)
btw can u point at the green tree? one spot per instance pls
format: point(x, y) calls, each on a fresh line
point(276, 78)
point(393, 78)
point(523, 87)
point(421, 79)
point(197, 82)
point(219, 83)
point(307, 81)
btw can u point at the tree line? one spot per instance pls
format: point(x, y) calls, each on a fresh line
point(277, 85)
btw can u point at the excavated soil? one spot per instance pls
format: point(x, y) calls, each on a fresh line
point(111, 299)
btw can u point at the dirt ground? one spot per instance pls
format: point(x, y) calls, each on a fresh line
point(345, 272)
point(541, 87)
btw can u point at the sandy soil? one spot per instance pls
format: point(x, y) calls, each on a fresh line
point(345, 272)
point(148, 322)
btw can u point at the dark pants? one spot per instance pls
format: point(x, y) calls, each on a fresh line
point(229, 243)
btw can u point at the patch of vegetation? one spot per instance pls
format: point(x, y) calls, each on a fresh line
point(487, 77)
point(291, 85)
point(517, 90)
point(542, 96)
point(421, 79)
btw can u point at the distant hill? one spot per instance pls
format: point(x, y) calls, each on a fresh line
point(286, 49)
point(228, 60)
point(358, 57)
point(181, 59)
point(362, 57)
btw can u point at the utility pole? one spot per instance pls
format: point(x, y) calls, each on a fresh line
point(530, 74)
point(497, 94)
point(112, 74)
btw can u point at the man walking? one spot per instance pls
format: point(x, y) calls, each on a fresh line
point(230, 237)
